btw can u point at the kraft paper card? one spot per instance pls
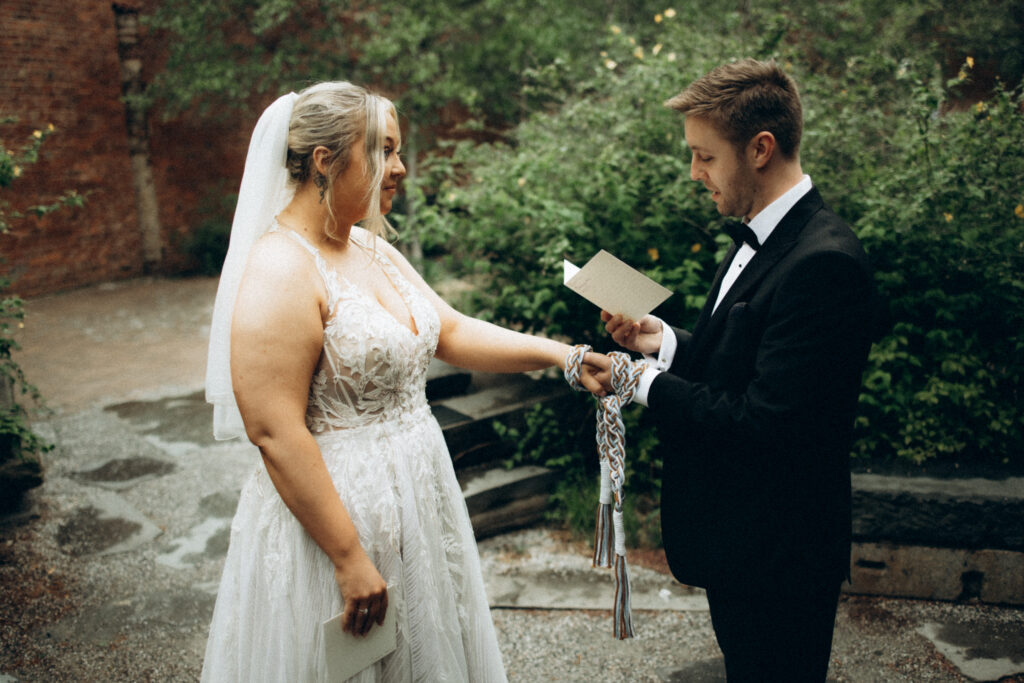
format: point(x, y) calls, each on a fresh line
point(610, 284)
point(347, 654)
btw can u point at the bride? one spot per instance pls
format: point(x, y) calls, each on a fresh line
point(320, 341)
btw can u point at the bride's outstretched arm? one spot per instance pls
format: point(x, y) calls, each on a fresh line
point(474, 344)
point(276, 339)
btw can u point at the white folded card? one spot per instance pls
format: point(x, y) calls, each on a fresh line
point(347, 654)
point(613, 286)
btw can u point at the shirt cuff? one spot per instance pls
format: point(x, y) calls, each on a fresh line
point(667, 352)
point(649, 373)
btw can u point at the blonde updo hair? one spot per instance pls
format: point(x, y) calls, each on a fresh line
point(335, 115)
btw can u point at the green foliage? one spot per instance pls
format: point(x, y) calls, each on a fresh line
point(20, 447)
point(12, 165)
point(605, 170)
point(567, 446)
point(208, 242)
point(934, 193)
point(946, 227)
point(472, 55)
point(447, 64)
point(17, 440)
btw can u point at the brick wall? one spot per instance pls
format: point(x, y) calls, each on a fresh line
point(59, 65)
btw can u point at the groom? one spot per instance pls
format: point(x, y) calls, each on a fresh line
point(755, 406)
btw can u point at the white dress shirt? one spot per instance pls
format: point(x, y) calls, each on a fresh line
point(763, 224)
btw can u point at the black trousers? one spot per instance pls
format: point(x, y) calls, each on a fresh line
point(777, 630)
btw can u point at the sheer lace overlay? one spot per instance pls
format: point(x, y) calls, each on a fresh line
point(389, 462)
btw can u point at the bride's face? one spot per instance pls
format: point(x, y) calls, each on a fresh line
point(351, 187)
point(394, 169)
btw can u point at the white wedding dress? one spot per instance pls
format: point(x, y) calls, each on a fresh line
point(391, 467)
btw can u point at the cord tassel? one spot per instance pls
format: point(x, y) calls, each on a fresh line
point(611, 444)
point(603, 540)
point(604, 537)
point(623, 611)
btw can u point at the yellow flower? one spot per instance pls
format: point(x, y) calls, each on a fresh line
point(653, 253)
point(670, 13)
point(671, 56)
point(980, 107)
point(603, 53)
point(49, 127)
point(948, 216)
point(657, 18)
point(21, 326)
point(656, 49)
point(37, 134)
point(962, 75)
point(610, 64)
point(451, 196)
point(695, 248)
point(970, 62)
point(1019, 211)
point(17, 171)
point(638, 53)
point(521, 182)
point(632, 40)
point(616, 30)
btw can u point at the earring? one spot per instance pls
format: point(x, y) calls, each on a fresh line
point(320, 180)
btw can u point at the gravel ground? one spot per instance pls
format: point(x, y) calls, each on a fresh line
point(877, 640)
point(124, 617)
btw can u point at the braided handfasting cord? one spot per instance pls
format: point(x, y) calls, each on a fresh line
point(611, 445)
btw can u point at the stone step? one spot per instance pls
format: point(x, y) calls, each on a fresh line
point(445, 381)
point(501, 499)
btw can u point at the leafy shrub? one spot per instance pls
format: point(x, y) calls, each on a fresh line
point(943, 221)
point(20, 446)
point(934, 194)
point(207, 245)
point(567, 446)
point(607, 170)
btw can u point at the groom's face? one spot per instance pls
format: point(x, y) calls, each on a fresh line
point(721, 167)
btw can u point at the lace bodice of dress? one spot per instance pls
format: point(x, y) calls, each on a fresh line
point(372, 367)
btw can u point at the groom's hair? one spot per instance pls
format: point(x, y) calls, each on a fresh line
point(742, 99)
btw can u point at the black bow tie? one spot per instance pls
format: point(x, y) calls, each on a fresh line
point(740, 233)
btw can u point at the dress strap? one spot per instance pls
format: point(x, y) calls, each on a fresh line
point(327, 272)
point(297, 237)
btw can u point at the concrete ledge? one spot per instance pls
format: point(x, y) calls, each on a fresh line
point(950, 513)
point(927, 573)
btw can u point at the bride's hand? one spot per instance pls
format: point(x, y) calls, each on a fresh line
point(364, 591)
point(596, 373)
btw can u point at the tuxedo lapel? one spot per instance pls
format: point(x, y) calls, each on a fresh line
point(778, 244)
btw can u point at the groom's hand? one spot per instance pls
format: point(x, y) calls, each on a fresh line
point(642, 337)
point(596, 373)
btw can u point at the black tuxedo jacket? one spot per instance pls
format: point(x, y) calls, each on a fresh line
point(756, 412)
